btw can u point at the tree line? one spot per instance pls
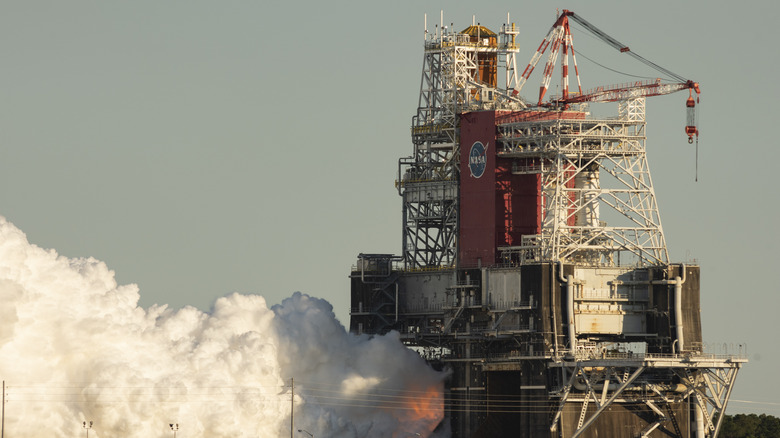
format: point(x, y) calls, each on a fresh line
point(750, 426)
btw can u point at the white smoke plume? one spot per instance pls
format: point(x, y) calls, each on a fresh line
point(76, 348)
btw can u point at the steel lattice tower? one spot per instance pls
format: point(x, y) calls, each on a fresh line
point(590, 169)
point(455, 79)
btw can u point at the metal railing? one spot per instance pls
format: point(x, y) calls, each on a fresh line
point(511, 304)
point(583, 355)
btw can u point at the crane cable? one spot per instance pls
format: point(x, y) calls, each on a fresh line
point(612, 69)
point(622, 48)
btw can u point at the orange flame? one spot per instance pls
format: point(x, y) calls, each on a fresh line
point(423, 411)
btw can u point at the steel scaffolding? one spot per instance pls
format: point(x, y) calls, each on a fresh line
point(453, 81)
point(591, 170)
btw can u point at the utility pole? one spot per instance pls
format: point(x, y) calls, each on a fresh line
point(86, 426)
point(292, 406)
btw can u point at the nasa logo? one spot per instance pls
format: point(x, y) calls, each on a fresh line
point(477, 159)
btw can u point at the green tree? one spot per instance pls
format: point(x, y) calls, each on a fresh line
point(750, 426)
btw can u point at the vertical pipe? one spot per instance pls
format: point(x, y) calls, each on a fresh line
point(553, 292)
point(485, 286)
point(2, 428)
point(570, 311)
point(678, 318)
point(468, 365)
point(699, 422)
point(588, 185)
point(396, 302)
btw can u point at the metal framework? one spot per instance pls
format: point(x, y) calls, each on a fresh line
point(587, 319)
point(705, 381)
point(591, 170)
point(451, 84)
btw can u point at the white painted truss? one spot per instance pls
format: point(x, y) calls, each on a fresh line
point(704, 381)
point(598, 202)
point(428, 180)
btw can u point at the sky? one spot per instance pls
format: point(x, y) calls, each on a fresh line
point(201, 148)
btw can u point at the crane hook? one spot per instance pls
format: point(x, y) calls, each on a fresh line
point(690, 128)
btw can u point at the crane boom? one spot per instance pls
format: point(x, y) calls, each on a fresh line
point(613, 93)
point(559, 37)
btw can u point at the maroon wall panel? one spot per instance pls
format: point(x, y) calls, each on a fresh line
point(477, 189)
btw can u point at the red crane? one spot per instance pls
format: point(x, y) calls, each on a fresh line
point(559, 37)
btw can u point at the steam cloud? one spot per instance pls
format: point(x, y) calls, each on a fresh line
point(75, 347)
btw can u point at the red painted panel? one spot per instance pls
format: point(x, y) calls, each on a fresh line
point(477, 190)
point(497, 207)
point(520, 204)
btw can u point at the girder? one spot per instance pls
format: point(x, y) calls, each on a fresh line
point(450, 85)
point(705, 380)
point(619, 200)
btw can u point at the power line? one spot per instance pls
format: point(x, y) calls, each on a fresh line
point(326, 395)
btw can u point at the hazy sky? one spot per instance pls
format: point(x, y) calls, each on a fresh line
point(201, 148)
